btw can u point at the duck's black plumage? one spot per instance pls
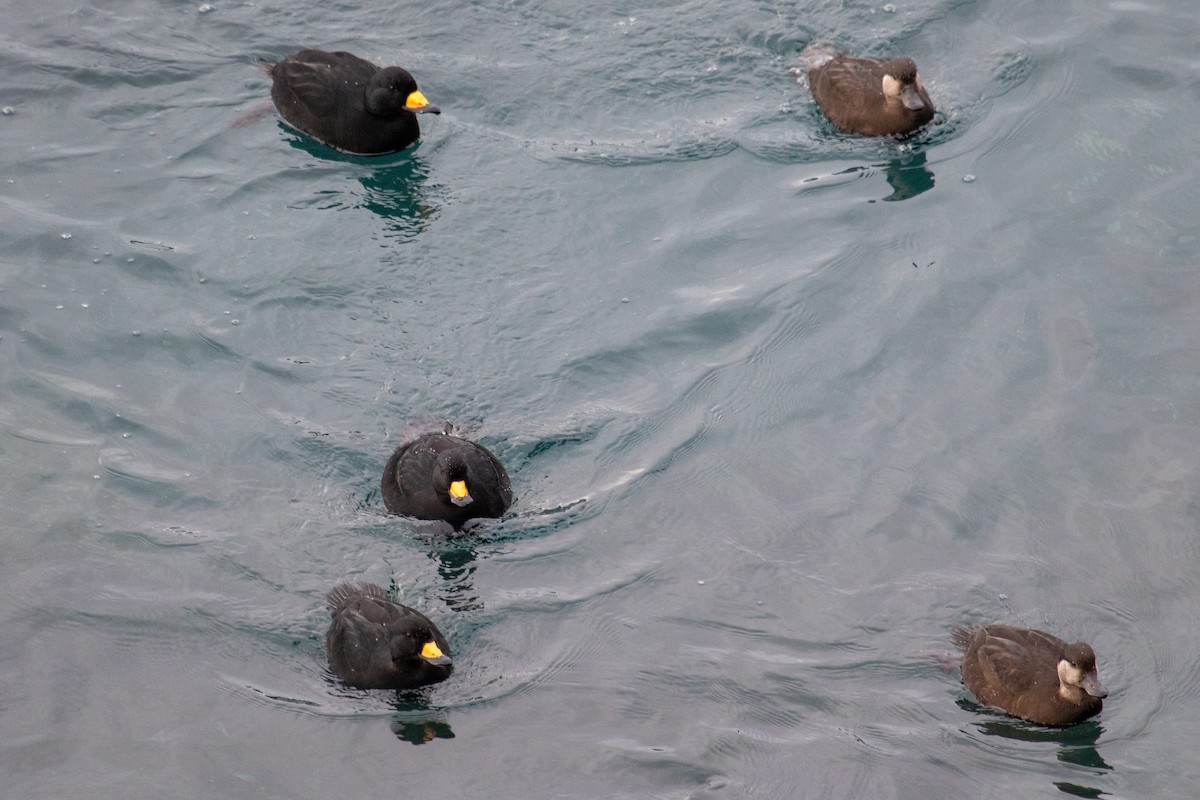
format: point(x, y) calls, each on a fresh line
point(347, 102)
point(374, 643)
point(1030, 674)
point(446, 477)
point(866, 96)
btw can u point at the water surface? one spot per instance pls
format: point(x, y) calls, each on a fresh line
point(781, 407)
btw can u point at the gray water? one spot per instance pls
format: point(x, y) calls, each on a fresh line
point(781, 407)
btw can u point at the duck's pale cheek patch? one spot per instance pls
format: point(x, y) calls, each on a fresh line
point(891, 86)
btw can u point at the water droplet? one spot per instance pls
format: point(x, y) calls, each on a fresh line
point(126, 435)
point(624, 299)
point(59, 308)
point(8, 111)
point(233, 322)
point(83, 305)
point(137, 333)
point(205, 8)
point(968, 178)
point(700, 582)
point(66, 236)
point(252, 237)
point(95, 477)
point(889, 9)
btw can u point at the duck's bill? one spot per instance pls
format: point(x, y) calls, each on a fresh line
point(417, 104)
point(1091, 685)
point(911, 99)
point(434, 655)
point(459, 494)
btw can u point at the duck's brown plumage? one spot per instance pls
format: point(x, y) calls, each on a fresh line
point(347, 102)
point(850, 92)
point(1017, 670)
point(374, 643)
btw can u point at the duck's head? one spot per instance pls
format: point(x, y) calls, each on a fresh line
point(900, 82)
point(452, 477)
point(1077, 671)
point(392, 90)
point(419, 644)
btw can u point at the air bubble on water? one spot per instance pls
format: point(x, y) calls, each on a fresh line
point(66, 235)
point(126, 435)
point(205, 8)
point(968, 178)
point(137, 333)
point(889, 8)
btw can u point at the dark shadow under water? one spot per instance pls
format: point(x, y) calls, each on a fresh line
point(1076, 743)
point(394, 184)
point(416, 722)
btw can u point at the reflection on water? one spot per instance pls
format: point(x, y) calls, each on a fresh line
point(416, 722)
point(394, 185)
point(1076, 744)
point(396, 192)
point(456, 566)
point(908, 176)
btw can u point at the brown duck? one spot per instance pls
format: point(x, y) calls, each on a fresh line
point(866, 96)
point(1030, 674)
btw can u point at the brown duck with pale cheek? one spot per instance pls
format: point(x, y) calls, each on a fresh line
point(866, 96)
point(1030, 674)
